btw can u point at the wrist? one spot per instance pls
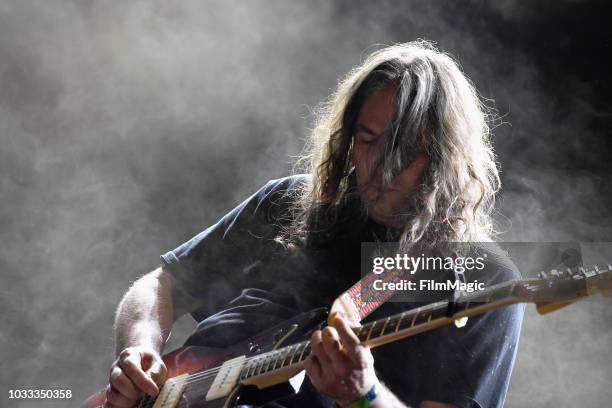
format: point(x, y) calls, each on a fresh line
point(363, 402)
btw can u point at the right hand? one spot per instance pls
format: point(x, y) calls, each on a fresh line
point(136, 371)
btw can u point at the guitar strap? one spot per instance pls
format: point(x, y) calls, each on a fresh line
point(362, 298)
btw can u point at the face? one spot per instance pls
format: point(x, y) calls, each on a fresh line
point(386, 205)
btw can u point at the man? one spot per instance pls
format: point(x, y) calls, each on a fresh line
point(400, 152)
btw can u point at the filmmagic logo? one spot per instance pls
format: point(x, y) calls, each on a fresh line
point(429, 284)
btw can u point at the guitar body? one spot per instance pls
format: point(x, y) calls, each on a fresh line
point(195, 359)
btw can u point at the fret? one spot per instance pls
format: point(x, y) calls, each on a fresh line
point(304, 353)
point(376, 333)
point(382, 331)
point(359, 332)
point(414, 318)
point(439, 312)
point(252, 371)
point(422, 317)
point(480, 297)
point(295, 357)
point(244, 374)
point(267, 361)
point(263, 365)
point(502, 292)
point(370, 331)
point(393, 324)
point(279, 358)
point(287, 354)
point(511, 289)
point(253, 368)
point(399, 322)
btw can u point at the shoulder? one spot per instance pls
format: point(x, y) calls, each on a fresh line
point(280, 192)
point(270, 202)
point(286, 185)
point(498, 266)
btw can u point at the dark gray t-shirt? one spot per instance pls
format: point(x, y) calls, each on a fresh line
point(244, 281)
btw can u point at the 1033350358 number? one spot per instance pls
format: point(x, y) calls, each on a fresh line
point(39, 394)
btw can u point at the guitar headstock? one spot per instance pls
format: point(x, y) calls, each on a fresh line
point(552, 290)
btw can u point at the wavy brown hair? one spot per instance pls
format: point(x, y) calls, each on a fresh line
point(439, 112)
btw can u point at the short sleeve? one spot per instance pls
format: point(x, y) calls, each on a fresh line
point(215, 265)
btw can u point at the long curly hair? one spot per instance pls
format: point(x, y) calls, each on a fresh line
point(438, 112)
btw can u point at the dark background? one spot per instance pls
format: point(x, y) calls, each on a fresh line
point(127, 127)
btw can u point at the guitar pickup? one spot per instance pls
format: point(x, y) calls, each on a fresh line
point(226, 379)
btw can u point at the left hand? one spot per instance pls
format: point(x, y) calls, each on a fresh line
point(339, 366)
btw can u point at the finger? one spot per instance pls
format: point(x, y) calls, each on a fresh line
point(114, 398)
point(349, 339)
point(340, 361)
point(157, 372)
point(131, 367)
point(316, 344)
point(313, 369)
point(120, 381)
point(350, 319)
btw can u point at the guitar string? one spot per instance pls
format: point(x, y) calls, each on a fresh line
point(206, 374)
point(214, 371)
point(275, 354)
point(210, 373)
point(264, 356)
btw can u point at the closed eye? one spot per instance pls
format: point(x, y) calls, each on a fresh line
point(365, 138)
point(366, 141)
point(365, 135)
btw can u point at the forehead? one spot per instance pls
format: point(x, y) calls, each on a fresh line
point(378, 109)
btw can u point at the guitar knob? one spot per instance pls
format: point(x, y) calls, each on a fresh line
point(254, 347)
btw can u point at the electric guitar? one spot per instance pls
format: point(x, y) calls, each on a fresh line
point(202, 377)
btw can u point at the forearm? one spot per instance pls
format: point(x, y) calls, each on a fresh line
point(144, 315)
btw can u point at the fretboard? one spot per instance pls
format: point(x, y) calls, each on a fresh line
point(394, 327)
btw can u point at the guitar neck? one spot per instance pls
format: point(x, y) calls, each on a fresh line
point(389, 329)
point(549, 291)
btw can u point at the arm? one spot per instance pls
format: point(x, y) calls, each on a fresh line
point(142, 325)
point(145, 315)
point(343, 369)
